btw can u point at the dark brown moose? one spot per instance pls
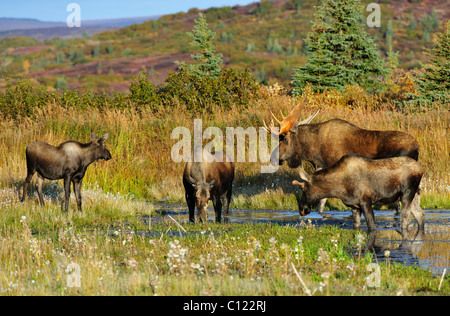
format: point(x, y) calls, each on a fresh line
point(68, 161)
point(210, 179)
point(323, 144)
point(361, 182)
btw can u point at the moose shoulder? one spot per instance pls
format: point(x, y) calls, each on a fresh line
point(68, 161)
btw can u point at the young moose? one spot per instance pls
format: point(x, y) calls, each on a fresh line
point(208, 180)
point(68, 161)
point(361, 182)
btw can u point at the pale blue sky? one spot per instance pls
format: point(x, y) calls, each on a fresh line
point(55, 10)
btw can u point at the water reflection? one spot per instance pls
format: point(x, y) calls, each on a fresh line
point(429, 249)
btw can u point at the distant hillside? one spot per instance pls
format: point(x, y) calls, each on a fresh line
point(42, 30)
point(267, 37)
point(8, 24)
point(63, 32)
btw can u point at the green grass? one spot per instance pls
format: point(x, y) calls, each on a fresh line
point(436, 201)
point(120, 254)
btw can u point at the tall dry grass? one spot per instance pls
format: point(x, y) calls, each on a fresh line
point(141, 144)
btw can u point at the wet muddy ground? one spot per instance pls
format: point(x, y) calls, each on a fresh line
point(429, 249)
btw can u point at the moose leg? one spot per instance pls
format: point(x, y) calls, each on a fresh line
point(66, 193)
point(366, 208)
point(31, 169)
point(356, 218)
point(39, 182)
point(218, 209)
point(321, 206)
point(25, 185)
point(77, 192)
point(226, 206)
point(397, 208)
point(322, 201)
point(190, 200)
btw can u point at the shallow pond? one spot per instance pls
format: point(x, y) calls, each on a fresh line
point(429, 249)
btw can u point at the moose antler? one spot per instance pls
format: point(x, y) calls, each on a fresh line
point(288, 122)
point(271, 128)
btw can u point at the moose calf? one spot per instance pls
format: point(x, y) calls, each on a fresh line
point(68, 161)
point(208, 179)
point(361, 182)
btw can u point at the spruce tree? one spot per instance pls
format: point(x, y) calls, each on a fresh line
point(389, 34)
point(341, 52)
point(435, 83)
point(208, 61)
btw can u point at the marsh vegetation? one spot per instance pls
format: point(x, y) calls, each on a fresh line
point(112, 249)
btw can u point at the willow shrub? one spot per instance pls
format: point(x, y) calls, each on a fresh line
point(230, 88)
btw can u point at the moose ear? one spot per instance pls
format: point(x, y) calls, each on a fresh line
point(304, 175)
point(309, 119)
point(192, 181)
point(301, 184)
point(211, 184)
point(93, 136)
point(104, 138)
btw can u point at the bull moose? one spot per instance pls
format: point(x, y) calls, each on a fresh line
point(208, 179)
point(360, 182)
point(68, 161)
point(323, 144)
